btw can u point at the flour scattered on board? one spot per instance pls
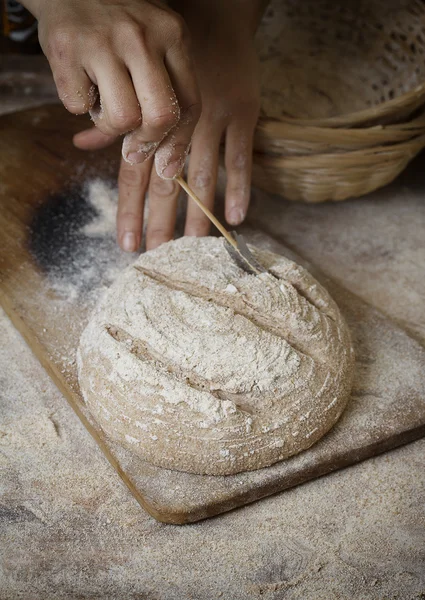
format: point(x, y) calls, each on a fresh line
point(95, 260)
point(73, 240)
point(104, 199)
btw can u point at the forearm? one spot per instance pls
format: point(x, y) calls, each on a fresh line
point(232, 16)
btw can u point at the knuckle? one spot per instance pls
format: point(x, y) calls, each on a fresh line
point(191, 114)
point(60, 42)
point(99, 42)
point(198, 226)
point(201, 180)
point(130, 176)
point(157, 235)
point(132, 31)
point(123, 121)
point(135, 36)
point(155, 238)
point(164, 120)
point(240, 190)
point(129, 215)
point(163, 188)
point(177, 28)
point(240, 161)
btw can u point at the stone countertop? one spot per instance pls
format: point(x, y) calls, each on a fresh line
point(71, 530)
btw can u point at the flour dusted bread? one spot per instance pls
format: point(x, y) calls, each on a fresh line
point(198, 366)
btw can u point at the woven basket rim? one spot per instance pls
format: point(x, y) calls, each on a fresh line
point(362, 116)
point(284, 130)
point(349, 158)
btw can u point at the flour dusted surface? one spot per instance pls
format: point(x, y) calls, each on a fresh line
point(201, 367)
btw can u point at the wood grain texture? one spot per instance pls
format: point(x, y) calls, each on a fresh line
point(388, 402)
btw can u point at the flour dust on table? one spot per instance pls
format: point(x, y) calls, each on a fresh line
point(73, 240)
point(201, 367)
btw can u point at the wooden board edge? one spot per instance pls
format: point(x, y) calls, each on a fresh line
point(347, 460)
point(40, 353)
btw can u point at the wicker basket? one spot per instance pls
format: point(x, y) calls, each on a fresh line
point(281, 138)
point(338, 176)
point(344, 96)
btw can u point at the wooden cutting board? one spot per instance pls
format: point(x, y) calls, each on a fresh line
point(51, 273)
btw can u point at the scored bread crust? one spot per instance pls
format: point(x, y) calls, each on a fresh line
point(198, 366)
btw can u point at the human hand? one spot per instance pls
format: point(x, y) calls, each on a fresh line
point(227, 71)
point(133, 55)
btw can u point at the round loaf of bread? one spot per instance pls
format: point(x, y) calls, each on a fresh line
point(198, 366)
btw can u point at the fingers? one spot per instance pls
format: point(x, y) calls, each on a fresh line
point(132, 183)
point(118, 110)
point(159, 107)
point(238, 162)
point(171, 154)
point(163, 198)
point(92, 139)
point(202, 176)
point(76, 91)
